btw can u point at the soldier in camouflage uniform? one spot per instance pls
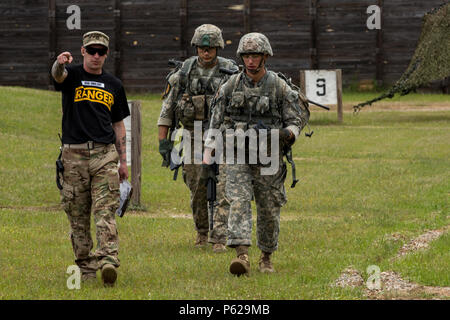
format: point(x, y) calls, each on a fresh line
point(93, 137)
point(252, 98)
point(188, 97)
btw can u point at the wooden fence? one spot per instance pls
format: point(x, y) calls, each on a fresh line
point(305, 34)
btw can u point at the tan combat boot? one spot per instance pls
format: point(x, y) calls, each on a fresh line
point(109, 275)
point(88, 276)
point(219, 247)
point(202, 240)
point(265, 265)
point(240, 265)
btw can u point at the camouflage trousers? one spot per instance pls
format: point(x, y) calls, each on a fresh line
point(91, 183)
point(220, 217)
point(242, 182)
point(192, 176)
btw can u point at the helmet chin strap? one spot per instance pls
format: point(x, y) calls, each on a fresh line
point(255, 71)
point(208, 64)
point(211, 63)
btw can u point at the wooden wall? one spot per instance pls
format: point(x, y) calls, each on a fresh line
point(304, 34)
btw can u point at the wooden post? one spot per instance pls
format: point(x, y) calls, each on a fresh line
point(302, 82)
point(379, 49)
point(117, 36)
point(136, 147)
point(340, 113)
point(314, 32)
point(247, 16)
point(184, 45)
point(51, 38)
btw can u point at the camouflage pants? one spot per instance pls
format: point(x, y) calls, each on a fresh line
point(243, 180)
point(91, 182)
point(192, 174)
point(221, 211)
point(192, 178)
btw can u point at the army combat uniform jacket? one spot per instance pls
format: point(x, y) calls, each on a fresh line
point(190, 91)
point(187, 98)
point(241, 104)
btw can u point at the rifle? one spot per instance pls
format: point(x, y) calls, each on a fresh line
point(228, 71)
point(211, 184)
point(59, 171)
point(59, 167)
point(172, 165)
point(318, 104)
point(175, 166)
point(175, 63)
point(287, 152)
point(289, 82)
point(169, 162)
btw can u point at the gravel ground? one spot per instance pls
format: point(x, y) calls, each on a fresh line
point(422, 241)
point(392, 284)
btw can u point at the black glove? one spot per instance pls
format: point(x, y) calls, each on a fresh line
point(165, 148)
point(287, 138)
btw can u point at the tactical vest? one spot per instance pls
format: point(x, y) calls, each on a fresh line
point(249, 107)
point(253, 105)
point(197, 93)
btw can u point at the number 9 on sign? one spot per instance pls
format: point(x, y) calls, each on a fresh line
point(320, 86)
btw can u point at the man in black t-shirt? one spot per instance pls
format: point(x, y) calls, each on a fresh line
point(94, 141)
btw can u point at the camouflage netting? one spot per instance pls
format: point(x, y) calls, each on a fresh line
point(431, 60)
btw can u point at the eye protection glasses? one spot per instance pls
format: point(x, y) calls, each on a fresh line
point(252, 56)
point(92, 51)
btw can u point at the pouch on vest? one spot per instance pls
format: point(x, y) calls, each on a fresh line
point(237, 99)
point(187, 109)
point(263, 104)
point(199, 106)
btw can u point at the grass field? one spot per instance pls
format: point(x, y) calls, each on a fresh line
point(381, 172)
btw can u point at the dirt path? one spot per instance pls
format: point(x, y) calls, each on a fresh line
point(164, 214)
point(393, 286)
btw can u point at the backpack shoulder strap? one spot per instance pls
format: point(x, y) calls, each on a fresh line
point(185, 70)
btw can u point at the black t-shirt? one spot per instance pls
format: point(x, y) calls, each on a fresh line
point(91, 103)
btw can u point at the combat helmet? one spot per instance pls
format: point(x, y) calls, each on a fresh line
point(207, 35)
point(254, 42)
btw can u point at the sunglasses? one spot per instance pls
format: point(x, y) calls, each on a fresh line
point(92, 51)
